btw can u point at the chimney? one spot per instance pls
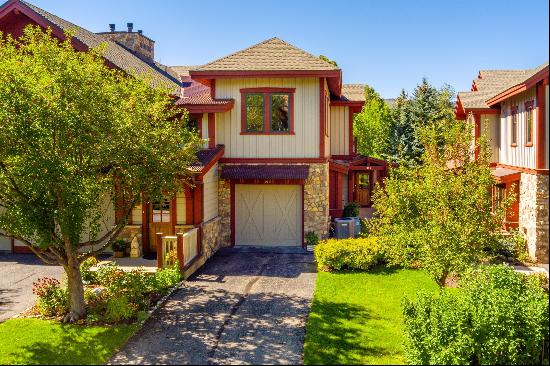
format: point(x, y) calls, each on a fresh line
point(140, 45)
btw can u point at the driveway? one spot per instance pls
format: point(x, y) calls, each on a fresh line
point(245, 306)
point(17, 273)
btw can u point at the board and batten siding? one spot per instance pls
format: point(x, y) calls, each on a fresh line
point(521, 155)
point(303, 144)
point(328, 121)
point(181, 209)
point(339, 130)
point(210, 194)
point(204, 128)
point(490, 128)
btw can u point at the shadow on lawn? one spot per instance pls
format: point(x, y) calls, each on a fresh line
point(331, 340)
point(71, 344)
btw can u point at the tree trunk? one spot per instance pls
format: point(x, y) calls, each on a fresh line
point(75, 287)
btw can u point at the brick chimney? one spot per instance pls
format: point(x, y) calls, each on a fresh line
point(142, 46)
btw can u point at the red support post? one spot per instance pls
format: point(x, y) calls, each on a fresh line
point(159, 250)
point(181, 253)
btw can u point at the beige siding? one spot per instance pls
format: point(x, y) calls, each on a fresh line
point(180, 208)
point(328, 125)
point(137, 215)
point(490, 128)
point(520, 156)
point(303, 144)
point(211, 193)
point(339, 130)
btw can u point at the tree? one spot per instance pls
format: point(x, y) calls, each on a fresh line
point(372, 126)
point(326, 59)
point(438, 214)
point(75, 135)
point(428, 106)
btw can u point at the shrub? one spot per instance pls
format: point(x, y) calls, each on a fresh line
point(119, 308)
point(119, 245)
point(166, 278)
point(52, 298)
point(360, 253)
point(497, 316)
point(108, 275)
point(351, 209)
point(87, 275)
point(514, 245)
point(312, 238)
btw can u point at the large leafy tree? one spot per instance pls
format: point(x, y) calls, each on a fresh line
point(78, 139)
point(438, 214)
point(372, 126)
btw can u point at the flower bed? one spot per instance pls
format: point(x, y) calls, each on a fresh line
point(111, 295)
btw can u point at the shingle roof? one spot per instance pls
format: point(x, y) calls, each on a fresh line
point(183, 70)
point(271, 55)
point(353, 92)
point(205, 157)
point(201, 99)
point(265, 172)
point(116, 54)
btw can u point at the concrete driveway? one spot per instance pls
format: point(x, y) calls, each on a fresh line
point(17, 273)
point(244, 306)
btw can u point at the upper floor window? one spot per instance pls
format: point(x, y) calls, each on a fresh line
point(514, 127)
point(529, 123)
point(267, 111)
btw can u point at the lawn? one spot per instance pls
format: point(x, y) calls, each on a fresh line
point(34, 341)
point(356, 316)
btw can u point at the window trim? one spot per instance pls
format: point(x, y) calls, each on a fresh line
point(529, 111)
point(513, 114)
point(267, 93)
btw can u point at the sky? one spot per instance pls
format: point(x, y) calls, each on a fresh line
point(388, 44)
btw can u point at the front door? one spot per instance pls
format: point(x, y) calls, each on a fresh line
point(160, 220)
point(363, 190)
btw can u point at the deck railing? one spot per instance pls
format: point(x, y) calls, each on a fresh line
point(184, 244)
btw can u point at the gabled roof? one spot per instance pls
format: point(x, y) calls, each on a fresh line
point(271, 58)
point(493, 86)
point(273, 54)
point(115, 54)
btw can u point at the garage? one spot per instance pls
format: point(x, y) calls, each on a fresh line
point(268, 215)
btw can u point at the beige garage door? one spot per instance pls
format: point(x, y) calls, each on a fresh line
point(268, 215)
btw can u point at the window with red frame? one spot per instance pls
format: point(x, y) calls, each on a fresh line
point(267, 111)
point(514, 127)
point(529, 111)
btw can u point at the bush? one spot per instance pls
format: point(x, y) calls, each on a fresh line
point(497, 316)
point(514, 245)
point(312, 238)
point(166, 278)
point(119, 245)
point(360, 253)
point(351, 210)
point(52, 298)
point(118, 309)
point(87, 275)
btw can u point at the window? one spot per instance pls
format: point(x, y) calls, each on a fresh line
point(529, 123)
point(161, 210)
point(267, 111)
point(514, 127)
point(499, 192)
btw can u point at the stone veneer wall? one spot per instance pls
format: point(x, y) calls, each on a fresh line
point(316, 202)
point(533, 214)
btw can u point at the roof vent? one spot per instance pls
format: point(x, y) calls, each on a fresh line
point(130, 27)
point(112, 27)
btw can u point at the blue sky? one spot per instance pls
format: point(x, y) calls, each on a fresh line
point(388, 44)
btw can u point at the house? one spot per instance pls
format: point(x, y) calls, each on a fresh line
point(511, 108)
point(279, 157)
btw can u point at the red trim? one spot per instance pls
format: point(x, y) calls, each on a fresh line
point(351, 182)
point(145, 225)
point(197, 203)
point(295, 182)
point(208, 108)
point(211, 130)
point(515, 177)
point(267, 92)
point(232, 193)
point(339, 190)
point(188, 206)
point(482, 110)
point(273, 160)
point(370, 167)
point(228, 74)
point(341, 157)
point(514, 90)
point(173, 213)
point(347, 103)
point(524, 170)
point(540, 127)
point(322, 117)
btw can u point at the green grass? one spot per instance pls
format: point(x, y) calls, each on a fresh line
point(34, 341)
point(356, 316)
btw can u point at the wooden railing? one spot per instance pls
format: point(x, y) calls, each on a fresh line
point(184, 244)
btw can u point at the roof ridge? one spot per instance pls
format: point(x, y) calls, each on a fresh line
point(305, 52)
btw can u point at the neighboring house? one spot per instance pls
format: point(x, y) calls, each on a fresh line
point(279, 157)
point(511, 108)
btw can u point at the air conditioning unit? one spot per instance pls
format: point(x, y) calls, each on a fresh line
point(344, 228)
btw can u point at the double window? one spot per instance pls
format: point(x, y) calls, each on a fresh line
point(267, 111)
point(529, 123)
point(514, 127)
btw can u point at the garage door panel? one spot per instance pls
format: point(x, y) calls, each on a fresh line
point(268, 215)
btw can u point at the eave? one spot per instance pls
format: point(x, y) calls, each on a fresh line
point(519, 88)
point(208, 108)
